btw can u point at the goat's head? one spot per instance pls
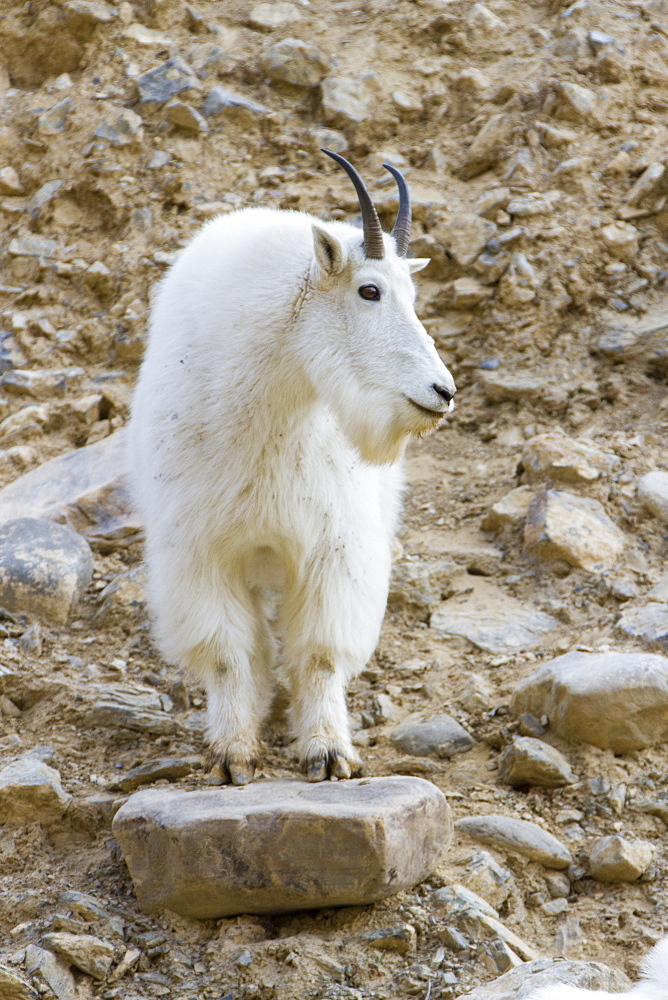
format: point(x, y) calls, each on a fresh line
point(374, 363)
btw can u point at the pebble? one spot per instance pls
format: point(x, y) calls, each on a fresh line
point(269, 16)
point(576, 103)
point(489, 145)
point(529, 205)
point(343, 101)
point(510, 511)
point(208, 59)
point(477, 694)
point(517, 836)
point(220, 101)
point(84, 489)
point(571, 689)
point(527, 761)
point(465, 236)
point(94, 11)
point(45, 568)
point(170, 768)
point(617, 859)
point(186, 117)
point(126, 128)
point(653, 493)
point(32, 246)
point(295, 62)
point(526, 980)
point(401, 939)
point(262, 849)
point(54, 120)
point(491, 619)
point(130, 706)
point(10, 183)
point(556, 456)
point(31, 791)
point(648, 622)
point(466, 293)
point(53, 971)
point(161, 84)
point(126, 592)
point(85, 952)
point(621, 239)
point(647, 184)
point(420, 584)
point(439, 736)
point(484, 876)
point(574, 529)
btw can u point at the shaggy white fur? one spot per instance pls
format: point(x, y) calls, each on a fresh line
point(268, 428)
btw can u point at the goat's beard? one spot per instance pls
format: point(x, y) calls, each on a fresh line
point(378, 442)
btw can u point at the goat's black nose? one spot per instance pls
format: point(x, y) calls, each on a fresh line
point(443, 392)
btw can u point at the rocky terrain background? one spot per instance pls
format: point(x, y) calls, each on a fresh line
point(533, 135)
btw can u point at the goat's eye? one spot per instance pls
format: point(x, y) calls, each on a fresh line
point(369, 292)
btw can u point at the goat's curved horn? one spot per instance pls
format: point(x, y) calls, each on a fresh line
point(373, 233)
point(402, 227)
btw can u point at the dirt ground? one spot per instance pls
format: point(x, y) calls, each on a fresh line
point(580, 95)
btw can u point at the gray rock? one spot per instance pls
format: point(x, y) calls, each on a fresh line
point(649, 622)
point(477, 918)
point(558, 457)
point(401, 939)
point(186, 117)
point(616, 859)
point(518, 836)
point(220, 101)
point(527, 761)
point(283, 845)
point(13, 987)
point(523, 982)
point(644, 341)
point(574, 529)
point(126, 592)
point(296, 62)
point(170, 768)
point(53, 971)
point(440, 736)
point(487, 879)
point(344, 101)
point(83, 489)
point(491, 620)
point(653, 493)
point(86, 907)
point(88, 953)
point(164, 82)
point(208, 59)
point(55, 119)
point(30, 791)
point(268, 16)
point(45, 568)
point(130, 706)
point(571, 689)
point(126, 128)
point(32, 246)
point(41, 384)
point(420, 584)
point(621, 239)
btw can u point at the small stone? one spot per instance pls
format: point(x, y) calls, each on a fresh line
point(477, 694)
point(570, 690)
point(408, 104)
point(489, 145)
point(468, 293)
point(209, 59)
point(464, 236)
point(649, 622)
point(558, 885)
point(510, 511)
point(485, 21)
point(92, 11)
point(616, 859)
point(126, 592)
point(269, 16)
point(555, 456)
point(576, 103)
point(169, 768)
point(621, 239)
point(278, 846)
point(647, 184)
point(26, 423)
point(478, 918)
point(554, 137)
point(55, 120)
point(520, 386)
point(127, 128)
point(130, 706)
point(420, 584)
point(53, 971)
point(85, 907)
point(528, 761)
point(45, 194)
point(344, 101)
point(41, 384)
point(186, 117)
point(529, 205)
point(32, 246)
point(161, 84)
point(295, 62)
point(160, 158)
point(86, 952)
point(13, 987)
point(487, 878)
point(518, 836)
point(401, 939)
point(220, 101)
point(30, 792)
point(498, 957)
point(573, 529)
point(644, 341)
point(653, 493)
point(147, 36)
point(440, 736)
point(329, 138)
point(10, 183)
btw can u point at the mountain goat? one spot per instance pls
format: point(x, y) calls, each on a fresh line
point(653, 983)
point(285, 371)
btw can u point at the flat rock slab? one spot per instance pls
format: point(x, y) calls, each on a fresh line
point(491, 619)
point(83, 489)
point(518, 836)
point(274, 847)
point(130, 705)
point(440, 736)
point(521, 983)
point(615, 701)
point(44, 568)
point(575, 529)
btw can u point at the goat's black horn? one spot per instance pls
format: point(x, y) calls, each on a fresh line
point(402, 227)
point(373, 233)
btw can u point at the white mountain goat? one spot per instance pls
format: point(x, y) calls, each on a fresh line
point(285, 371)
point(652, 985)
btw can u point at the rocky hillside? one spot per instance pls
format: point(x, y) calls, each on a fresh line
point(521, 667)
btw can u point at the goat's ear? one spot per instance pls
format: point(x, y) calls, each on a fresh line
point(417, 263)
point(328, 251)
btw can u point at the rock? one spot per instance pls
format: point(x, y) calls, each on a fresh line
point(30, 791)
point(13, 987)
point(130, 706)
point(147, 36)
point(489, 145)
point(93, 11)
point(55, 120)
point(83, 489)
point(464, 236)
point(420, 584)
point(186, 117)
point(478, 918)
point(649, 622)
point(491, 619)
point(32, 246)
point(477, 694)
point(653, 493)
point(268, 16)
point(127, 128)
point(53, 971)
point(659, 592)
point(161, 84)
point(571, 689)
point(42, 384)
point(343, 101)
point(576, 103)
point(209, 59)
point(10, 183)
point(296, 62)
point(554, 137)
point(621, 239)
point(220, 101)
point(644, 340)
point(647, 184)
point(487, 878)
point(26, 423)
point(529, 205)
point(45, 568)
point(84, 906)
point(440, 736)
point(510, 511)
point(468, 293)
point(170, 768)
point(555, 456)
point(528, 761)
point(518, 836)
point(519, 386)
point(575, 529)
point(401, 939)
point(126, 592)
point(524, 982)
point(485, 21)
point(283, 845)
point(86, 952)
point(616, 859)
